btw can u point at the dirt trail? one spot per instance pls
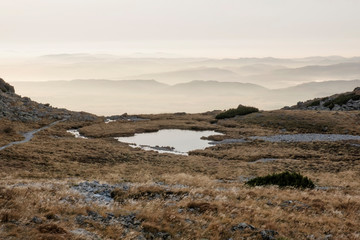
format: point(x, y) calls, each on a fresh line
point(29, 135)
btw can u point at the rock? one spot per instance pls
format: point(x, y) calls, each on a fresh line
point(36, 220)
point(80, 219)
point(242, 227)
point(357, 90)
point(268, 234)
point(86, 234)
point(95, 191)
point(328, 237)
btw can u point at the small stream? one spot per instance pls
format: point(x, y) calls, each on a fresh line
point(29, 135)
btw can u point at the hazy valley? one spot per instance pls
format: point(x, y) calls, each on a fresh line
point(107, 97)
point(111, 84)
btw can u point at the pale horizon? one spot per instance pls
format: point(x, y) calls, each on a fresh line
point(202, 28)
point(193, 47)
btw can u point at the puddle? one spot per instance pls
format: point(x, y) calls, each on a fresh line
point(109, 120)
point(76, 133)
point(124, 118)
point(173, 141)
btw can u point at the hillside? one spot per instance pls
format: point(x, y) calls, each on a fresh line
point(348, 101)
point(17, 108)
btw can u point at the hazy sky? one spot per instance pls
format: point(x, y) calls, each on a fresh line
point(213, 28)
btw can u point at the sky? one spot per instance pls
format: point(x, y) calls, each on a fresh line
point(186, 28)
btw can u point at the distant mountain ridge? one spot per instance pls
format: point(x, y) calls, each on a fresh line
point(201, 73)
point(108, 97)
point(215, 88)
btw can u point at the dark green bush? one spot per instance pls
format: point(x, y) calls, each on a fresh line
point(315, 103)
point(240, 110)
point(283, 179)
point(341, 100)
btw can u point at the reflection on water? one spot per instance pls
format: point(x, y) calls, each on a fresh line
point(170, 140)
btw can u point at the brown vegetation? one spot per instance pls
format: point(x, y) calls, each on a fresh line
point(202, 195)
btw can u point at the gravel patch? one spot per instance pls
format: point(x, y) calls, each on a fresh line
point(264, 160)
point(95, 191)
point(310, 137)
point(228, 141)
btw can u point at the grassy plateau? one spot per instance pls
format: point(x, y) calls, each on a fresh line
point(213, 193)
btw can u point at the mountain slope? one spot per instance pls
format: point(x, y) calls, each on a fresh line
point(338, 102)
point(17, 108)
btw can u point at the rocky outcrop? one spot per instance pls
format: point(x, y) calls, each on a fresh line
point(17, 108)
point(339, 102)
point(5, 87)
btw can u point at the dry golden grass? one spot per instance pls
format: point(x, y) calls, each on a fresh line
point(35, 180)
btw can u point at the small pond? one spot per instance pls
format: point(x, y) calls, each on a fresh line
point(170, 140)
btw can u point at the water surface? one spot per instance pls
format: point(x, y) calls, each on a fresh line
point(170, 140)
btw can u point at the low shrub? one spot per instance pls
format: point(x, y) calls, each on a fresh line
point(240, 110)
point(8, 130)
point(283, 179)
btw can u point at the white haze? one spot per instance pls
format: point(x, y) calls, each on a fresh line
point(111, 85)
point(200, 55)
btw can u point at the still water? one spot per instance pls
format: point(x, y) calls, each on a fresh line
point(170, 140)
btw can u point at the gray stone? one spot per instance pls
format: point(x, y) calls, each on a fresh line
point(242, 227)
point(268, 234)
point(36, 220)
point(84, 233)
